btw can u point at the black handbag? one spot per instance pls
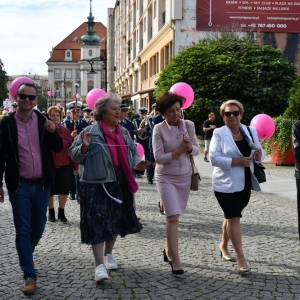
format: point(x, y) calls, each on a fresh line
point(259, 172)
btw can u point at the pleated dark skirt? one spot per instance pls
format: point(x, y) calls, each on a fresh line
point(101, 217)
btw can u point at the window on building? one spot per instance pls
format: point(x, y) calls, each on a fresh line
point(90, 87)
point(163, 18)
point(57, 92)
point(68, 74)
point(57, 74)
point(78, 74)
point(154, 9)
point(144, 71)
point(68, 54)
point(69, 92)
point(154, 64)
point(136, 81)
point(145, 24)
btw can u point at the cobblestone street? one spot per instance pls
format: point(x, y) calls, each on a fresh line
point(66, 267)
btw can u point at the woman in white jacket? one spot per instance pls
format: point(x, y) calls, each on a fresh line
point(233, 156)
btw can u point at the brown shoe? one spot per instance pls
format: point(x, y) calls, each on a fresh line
point(30, 286)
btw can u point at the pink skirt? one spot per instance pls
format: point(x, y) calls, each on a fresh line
point(174, 191)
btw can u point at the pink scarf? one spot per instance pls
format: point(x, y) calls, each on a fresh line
point(119, 155)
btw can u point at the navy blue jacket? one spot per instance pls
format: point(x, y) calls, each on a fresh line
point(129, 126)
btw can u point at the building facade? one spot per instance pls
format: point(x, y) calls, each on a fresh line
point(144, 35)
point(73, 58)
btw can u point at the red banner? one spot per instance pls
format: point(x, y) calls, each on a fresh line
point(264, 16)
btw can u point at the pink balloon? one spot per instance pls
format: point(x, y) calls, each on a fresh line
point(94, 95)
point(49, 93)
point(185, 90)
point(140, 149)
point(264, 125)
point(15, 84)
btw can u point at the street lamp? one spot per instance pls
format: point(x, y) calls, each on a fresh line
point(49, 93)
point(65, 90)
point(104, 60)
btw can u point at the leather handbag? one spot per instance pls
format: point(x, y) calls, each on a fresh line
point(195, 176)
point(259, 172)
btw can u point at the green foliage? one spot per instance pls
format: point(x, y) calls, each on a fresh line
point(282, 138)
point(225, 66)
point(3, 82)
point(293, 111)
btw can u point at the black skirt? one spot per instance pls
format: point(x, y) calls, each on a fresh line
point(101, 217)
point(62, 181)
point(233, 204)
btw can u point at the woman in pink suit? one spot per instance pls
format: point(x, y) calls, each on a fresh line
point(174, 140)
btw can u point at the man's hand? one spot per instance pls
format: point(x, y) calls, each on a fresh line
point(49, 126)
point(1, 195)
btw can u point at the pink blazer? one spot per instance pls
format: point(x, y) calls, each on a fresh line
point(169, 138)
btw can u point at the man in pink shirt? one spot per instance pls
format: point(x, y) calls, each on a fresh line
point(28, 139)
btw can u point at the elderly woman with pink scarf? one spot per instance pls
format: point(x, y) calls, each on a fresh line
point(107, 159)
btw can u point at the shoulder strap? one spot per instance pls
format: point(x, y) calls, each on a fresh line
point(187, 127)
point(250, 134)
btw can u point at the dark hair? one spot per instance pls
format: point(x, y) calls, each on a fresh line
point(26, 84)
point(167, 100)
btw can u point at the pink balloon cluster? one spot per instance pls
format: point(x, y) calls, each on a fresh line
point(94, 95)
point(140, 150)
point(15, 84)
point(185, 90)
point(265, 126)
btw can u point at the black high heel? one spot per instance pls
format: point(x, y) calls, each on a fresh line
point(165, 256)
point(161, 210)
point(176, 272)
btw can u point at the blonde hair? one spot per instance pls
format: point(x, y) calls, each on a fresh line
point(52, 109)
point(229, 103)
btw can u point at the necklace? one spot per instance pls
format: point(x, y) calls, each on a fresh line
point(111, 130)
point(236, 135)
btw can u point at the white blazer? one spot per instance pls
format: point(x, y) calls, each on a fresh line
point(222, 150)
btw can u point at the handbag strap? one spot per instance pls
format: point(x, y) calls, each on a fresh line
point(192, 163)
point(250, 134)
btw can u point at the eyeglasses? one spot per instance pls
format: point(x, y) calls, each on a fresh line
point(24, 96)
point(230, 113)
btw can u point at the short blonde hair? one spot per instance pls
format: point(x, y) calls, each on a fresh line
point(52, 109)
point(229, 103)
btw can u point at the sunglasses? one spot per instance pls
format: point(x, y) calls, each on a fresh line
point(24, 96)
point(230, 113)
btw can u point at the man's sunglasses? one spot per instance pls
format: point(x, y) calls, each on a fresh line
point(24, 96)
point(229, 113)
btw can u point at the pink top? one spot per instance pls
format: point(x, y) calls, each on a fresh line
point(30, 161)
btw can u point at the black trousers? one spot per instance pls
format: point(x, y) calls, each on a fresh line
point(298, 203)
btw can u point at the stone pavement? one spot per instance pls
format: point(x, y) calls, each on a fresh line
point(66, 268)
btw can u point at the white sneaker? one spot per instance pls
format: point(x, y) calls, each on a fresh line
point(101, 273)
point(110, 262)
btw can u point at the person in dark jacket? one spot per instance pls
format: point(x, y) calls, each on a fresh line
point(296, 150)
point(63, 165)
point(75, 123)
point(26, 159)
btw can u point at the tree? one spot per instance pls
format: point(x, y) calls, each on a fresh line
point(293, 111)
point(225, 66)
point(3, 83)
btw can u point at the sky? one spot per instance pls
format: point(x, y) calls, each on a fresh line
point(30, 28)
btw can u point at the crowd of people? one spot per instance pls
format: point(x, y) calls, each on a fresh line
point(91, 156)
